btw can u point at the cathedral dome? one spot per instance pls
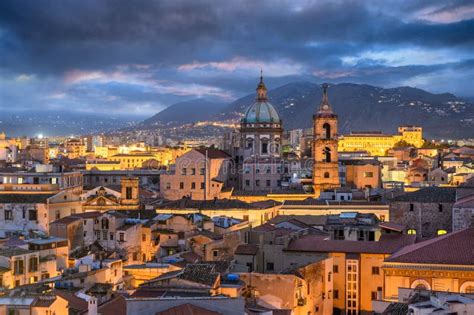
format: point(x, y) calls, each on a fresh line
point(261, 111)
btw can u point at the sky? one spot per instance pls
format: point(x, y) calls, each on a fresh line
point(137, 57)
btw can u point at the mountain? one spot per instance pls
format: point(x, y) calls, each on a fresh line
point(184, 113)
point(60, 123)
point(368, 108)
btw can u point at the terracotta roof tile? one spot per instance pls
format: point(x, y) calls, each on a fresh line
point(386, 245)
point(450, 249)
point(246, 249)
point(188, 309)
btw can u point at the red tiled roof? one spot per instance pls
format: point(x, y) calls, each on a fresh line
point(387, 244)
point(66, 220)
point(246, 249)
point(392, 226)
point(450, 249)
point(116, 306)
point(88, 215)
point(188, 309)
point(44, 301)
point(213, 153)
point(74, 302)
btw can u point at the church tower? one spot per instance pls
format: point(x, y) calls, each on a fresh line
point(325, 161)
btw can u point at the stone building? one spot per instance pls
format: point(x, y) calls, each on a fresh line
point(443, 263)
point(463, 212)
point(357, 267)
point(325, 166)
point(260, 153)
point(426, 212)
point(199, 174)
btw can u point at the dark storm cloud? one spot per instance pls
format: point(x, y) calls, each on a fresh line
point(90, 52)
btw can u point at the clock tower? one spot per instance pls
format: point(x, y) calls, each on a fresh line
point(325, 161)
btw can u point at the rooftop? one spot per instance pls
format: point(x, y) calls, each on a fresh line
point(24, 198)
point(186, 203)
point(429, 195)
point(450, 249)
point(387, 244)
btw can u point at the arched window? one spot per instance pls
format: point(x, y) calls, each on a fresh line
point(420, 284)
point(327, 131)
point(327, 154)
point(442, 232)
point(467, 287)
point(411, 232)
point(326, 175)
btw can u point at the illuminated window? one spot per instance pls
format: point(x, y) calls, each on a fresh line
point(411, 231)
point(442, 232)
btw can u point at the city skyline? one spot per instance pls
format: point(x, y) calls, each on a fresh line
point(117, 58)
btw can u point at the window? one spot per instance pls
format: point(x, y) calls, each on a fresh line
point(58, 215)
point(105, 224)
point(201, 171)
point(111, 236)
point(373, 295)
point(327, 131)
point(247, 182)
point(412, 207)
point(193, 185)
point(168, 185)
point(105, 235)
point(33, 264)
point(326, 175)
point(375, 270)
point(269, 182)
point(8, 215)
point(121, 237)
point(128, 193)
point(270, 266)
point(368, 174)
point(264, 148)
point(215, 253)
point(335, 268)
point(327, 155)
point(143, 237)
point(193, 171)
point(257, 183)
point(181, 185)
point(19, 267)
point(183, 171)
point(411, 232)
point(335, 294)
point(329, 277)
point(440, 208)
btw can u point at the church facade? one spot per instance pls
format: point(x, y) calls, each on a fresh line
point(260, 145)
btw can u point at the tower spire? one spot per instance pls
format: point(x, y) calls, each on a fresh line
point(325, 106)
point(261, 89)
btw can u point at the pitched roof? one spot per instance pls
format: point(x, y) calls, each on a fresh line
point(429, 194)
point(213, 153)
point(392, 226)
point(246, 249)
point(386, 245)
point(74, 302)
point(24, 198)
point(450, 249)
point(115, 306)
point(187, 309)
point(187, 203)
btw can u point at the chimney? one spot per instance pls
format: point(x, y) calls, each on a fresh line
point(92, 306)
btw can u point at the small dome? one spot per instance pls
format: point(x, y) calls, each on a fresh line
point(261, 112)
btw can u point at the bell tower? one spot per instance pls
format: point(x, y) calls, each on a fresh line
point(325, 160)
